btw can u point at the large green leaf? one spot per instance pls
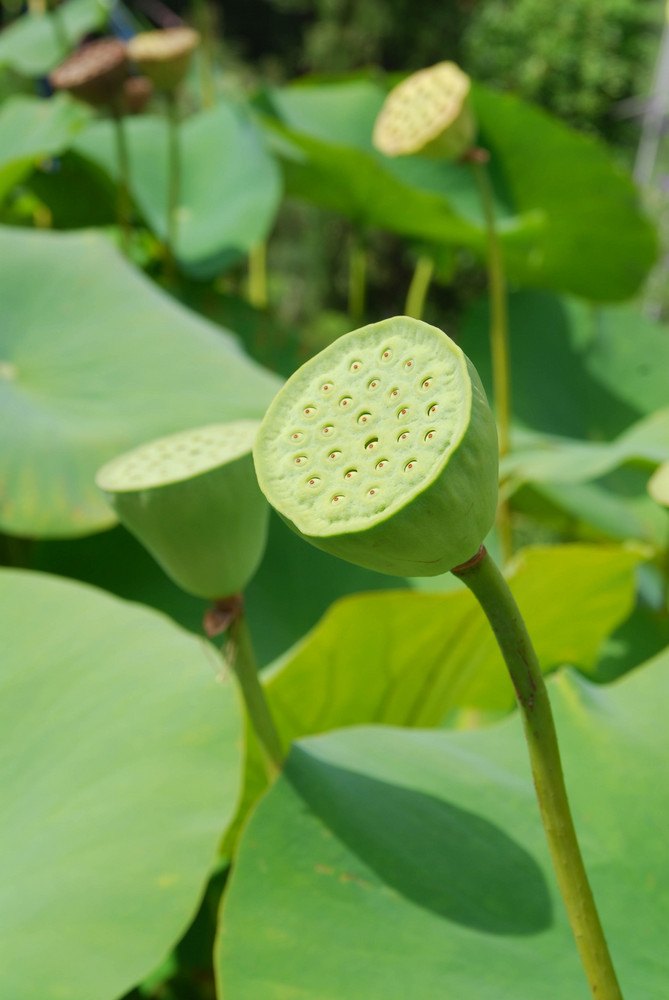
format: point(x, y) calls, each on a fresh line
point(577, 371)
point(413, 658)
point(537, 458)
point(31, 130)
point(119, 768)
point(94, 359)
point(388, 864)
point(230, 185)
point(559, 195)
point(35, 43)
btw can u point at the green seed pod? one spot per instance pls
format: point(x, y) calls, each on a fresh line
point(428, 113)
point(164, 56)
point(382, 450)
point(193, 501)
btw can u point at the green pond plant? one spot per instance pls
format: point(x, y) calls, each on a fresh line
point(382, 450)
point(430, 114)
point(193, 501)
point(97, 75)
point(164, 57)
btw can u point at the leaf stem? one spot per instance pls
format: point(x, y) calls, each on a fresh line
point(357, 279)
point(243, 661)
point(123, 193)
point(173, 186)
point(420, 283)
point(257, 284)
point(499, 335)
point(491, 590)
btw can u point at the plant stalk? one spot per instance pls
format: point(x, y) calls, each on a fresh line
point(357, 279)
point(418, 289)
point(492, 592)
point(499, 336)
point(123, 203)
point(243, 661)
point(257, 284)
point(173, 186)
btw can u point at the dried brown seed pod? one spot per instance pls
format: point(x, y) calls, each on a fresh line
point(95, 73)
point(137, 92)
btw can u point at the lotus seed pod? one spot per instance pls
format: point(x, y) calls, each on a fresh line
point(137, 92)
point(94, 73)
point(658, 485)
point(164, 56)
point(382, 450)
point(428, 113)
point(193, 501)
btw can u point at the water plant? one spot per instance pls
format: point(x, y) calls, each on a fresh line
point(381, 449)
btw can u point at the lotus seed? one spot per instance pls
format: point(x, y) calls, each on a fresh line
point(309, 411)
point(338, 498)
point(430, 435)
point(426, 383)
point(371, 443)
point(356, 365)
point(300, 460)
point(313, 482)
point(394, 394)
point(403, 436)
point(382, 464)
point(402, 412)
point(410, 465)
point(328, 429)
point(334, 454)
point(363, 418)
point(351, 473)
point(408, 364)
point(326, 387)
point(373, 384)
point(387, 355)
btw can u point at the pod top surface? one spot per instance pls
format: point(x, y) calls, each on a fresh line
point(364, 427)
point(418, 109)
point(177, 457)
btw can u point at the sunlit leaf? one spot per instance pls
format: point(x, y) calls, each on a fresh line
point(94, 358)
point(120, 761)
point(388, 863)
point(35, 43)
point(230, 185)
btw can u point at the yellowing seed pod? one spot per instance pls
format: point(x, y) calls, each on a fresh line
point(164, 56)
point(428, 113)
point(382, 450)
point(193, 501)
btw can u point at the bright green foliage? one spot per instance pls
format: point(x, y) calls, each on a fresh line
point(119, 766)
point(35, 43)
point(229, 190)
point(32, 130)
point(559, 195)
point(578, 59)
point(418, 659)
point(386, 863)
point(95, 359)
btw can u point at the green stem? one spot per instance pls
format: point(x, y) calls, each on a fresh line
point(204, 22)
point(123, 195)
point(499, 336)
point(173, 186)
point(420, 283)
point(491, 590)
point(357, 279)
point(245, 666)
point(258, 276)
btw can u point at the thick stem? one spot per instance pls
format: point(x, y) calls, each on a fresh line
point(357, 279)
point(123, 202)
point(499, 337)
point(245, 666)
point(173, 186)
point(257, 287)
point(491, 590)
point(420, 283)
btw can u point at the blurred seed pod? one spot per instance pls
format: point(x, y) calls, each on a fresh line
point(382, 450)
point(137, 92)
point(428, 113)
point(164, 56)
point(192, 499)
point(95, 73)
